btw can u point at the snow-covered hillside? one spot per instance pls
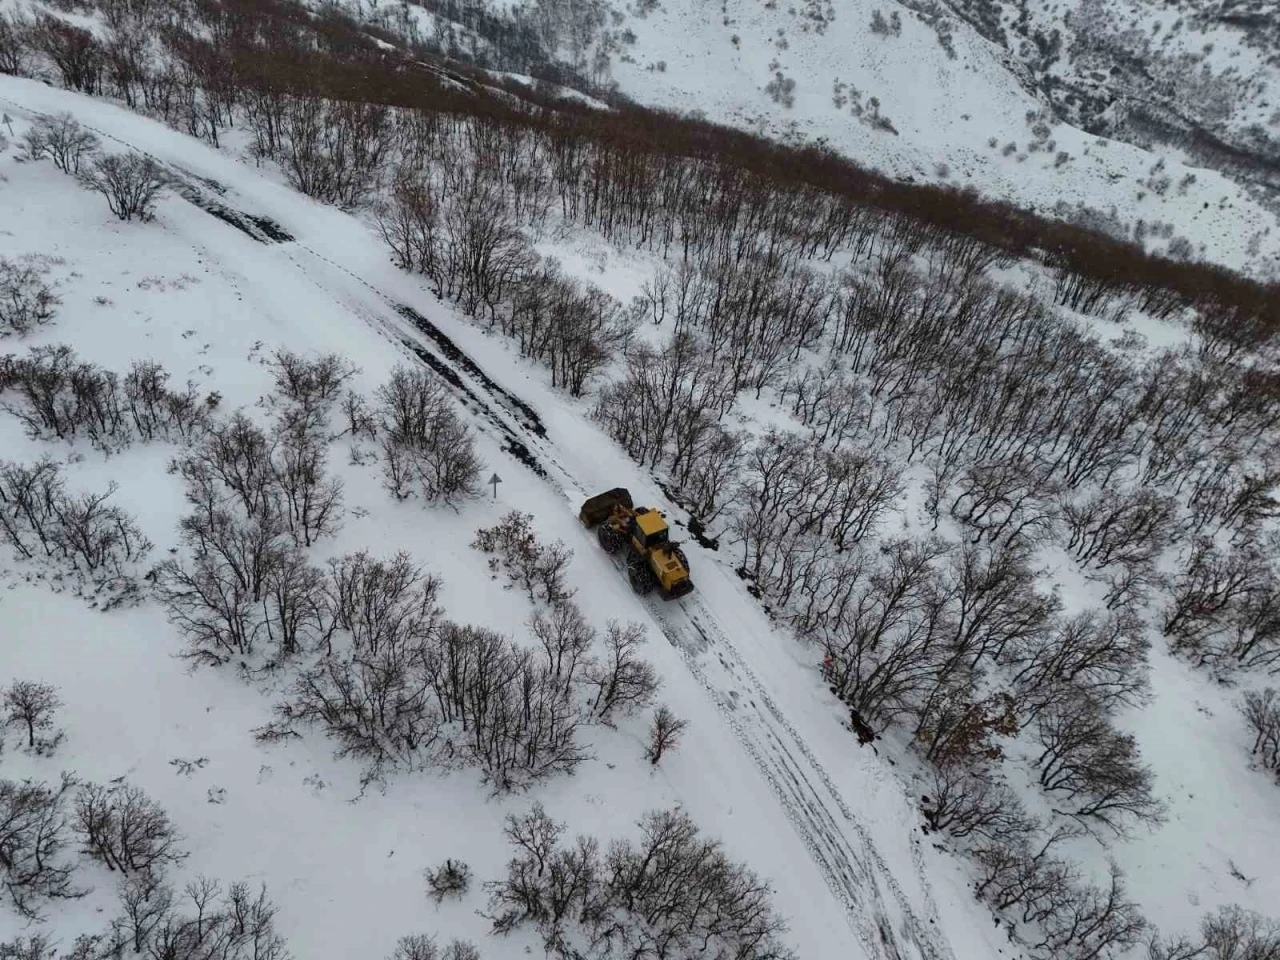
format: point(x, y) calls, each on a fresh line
point(965, 120)
point(916, 90)
point(765, 766)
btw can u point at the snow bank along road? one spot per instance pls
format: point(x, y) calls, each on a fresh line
point(881, 916)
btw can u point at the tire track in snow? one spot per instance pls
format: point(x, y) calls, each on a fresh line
point(855, 872)
point(853, 869)
point(460, 373)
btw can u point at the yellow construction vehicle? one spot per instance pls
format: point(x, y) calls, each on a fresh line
point(653, 559)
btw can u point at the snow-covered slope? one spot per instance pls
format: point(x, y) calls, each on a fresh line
point(765, 765)
point(955, 118)
point(982, 93)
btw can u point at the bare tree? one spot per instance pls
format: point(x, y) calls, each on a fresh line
point(98, 538)
point(33, 834)
point(31, 706)
point(235, 457)
point(416, 946)
point(360, 419)
point(622, 681)
point(383, 604)
point(1093, 922)
point(15, 43)
point(537, 567)
point(98, 542)
point(409, 222)
point(486, 250)
point(1095, 767)
point(1102, 655)
point(1021, 871)
point(27, 496)
point(156, 410)
point(378, 700)
point(891, 644)
point(219, 599)
point(957, 727)
point(1001, 499)
point(670, 845)
point(664, 733)
point(536, 834)
point(310, 502)
point(125, 830)
point(75, 51)
point(296, 613)
point(566, 638)
point(375, 706)
point(1225, 612)
point(639, 897)
point(1261, 709)
point(310, 382)
point(1235, 932)
point(63, 140)
point(1212, 582)
point(38, 947)
point(994, 601)
point(132, 183)
point(204, 922)
point(461, 950)
point(146, 901)
point(334, 150)
point(1113, 527)
point(974, 803)
point(422, 947)
point(528, 731)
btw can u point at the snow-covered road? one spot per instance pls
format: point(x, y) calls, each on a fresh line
point(885, 895)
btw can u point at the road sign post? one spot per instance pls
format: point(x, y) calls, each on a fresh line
point(495, 480)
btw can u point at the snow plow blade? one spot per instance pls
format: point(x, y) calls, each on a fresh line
point(600, 507)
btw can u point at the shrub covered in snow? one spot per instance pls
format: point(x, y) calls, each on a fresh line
point(61, 139)
point(451, 879)
point(427, 448)
point(27, 299)
point(640, 894)
point(131, 183)
point(537, 567)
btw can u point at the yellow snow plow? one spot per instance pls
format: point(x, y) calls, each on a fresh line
point(643, 536)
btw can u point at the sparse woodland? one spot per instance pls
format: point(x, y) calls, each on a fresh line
point(868, 311)
point(45, 824)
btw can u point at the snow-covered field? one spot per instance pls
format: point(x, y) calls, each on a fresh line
point(766, 765)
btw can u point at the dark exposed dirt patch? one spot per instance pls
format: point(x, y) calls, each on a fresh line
point(261, 229)
point(509, 442)
point(527, 415)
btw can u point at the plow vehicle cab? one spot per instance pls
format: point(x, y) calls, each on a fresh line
point(652, 558)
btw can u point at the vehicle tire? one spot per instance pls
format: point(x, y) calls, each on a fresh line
point(609, 539)
point(640, 575)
